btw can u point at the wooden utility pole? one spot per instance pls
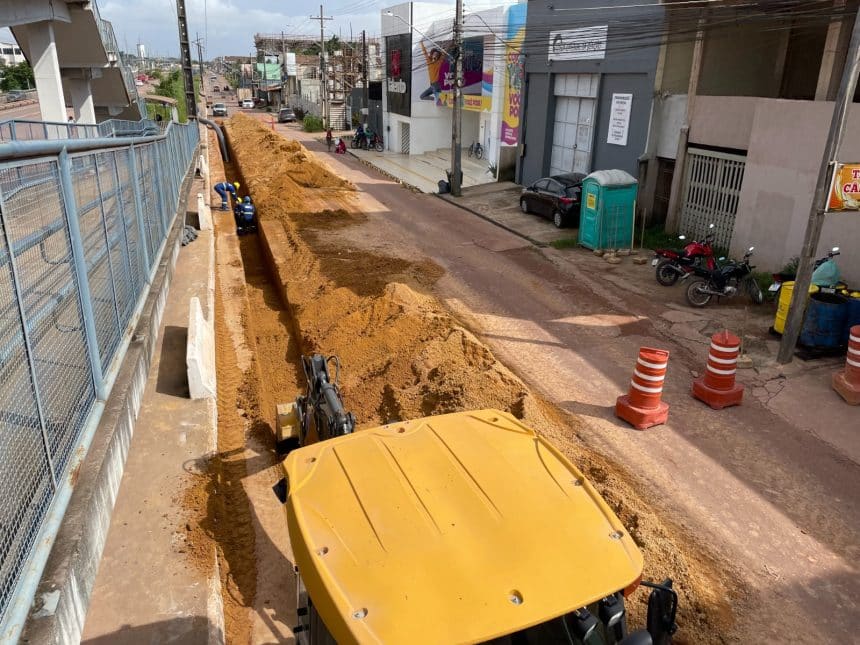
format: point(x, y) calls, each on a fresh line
point(457, 115)
point(794, 320)
point(364, 75)
point(323, 76)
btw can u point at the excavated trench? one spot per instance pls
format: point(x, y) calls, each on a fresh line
point(294, 289)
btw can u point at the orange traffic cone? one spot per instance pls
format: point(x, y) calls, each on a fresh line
point(717, 387)
point(847, 382)
point(642, 407)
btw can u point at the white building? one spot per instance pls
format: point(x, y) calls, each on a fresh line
point(11, 54)
point(417, 92)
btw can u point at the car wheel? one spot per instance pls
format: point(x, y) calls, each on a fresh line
point(558, 219)
point(524, 207)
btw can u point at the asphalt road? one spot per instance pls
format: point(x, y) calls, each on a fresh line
point(771, 500)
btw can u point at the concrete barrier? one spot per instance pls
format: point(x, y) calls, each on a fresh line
point(200, 353)
point(204, 214)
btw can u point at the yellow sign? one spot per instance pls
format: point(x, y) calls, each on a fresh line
point(591, 201)
point(471, 102)
point(845, 190)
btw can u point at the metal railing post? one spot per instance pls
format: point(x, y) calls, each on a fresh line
point(80, 264)
point(107, 245)
point(138, 207)
point(28, 346)
point(123, 222)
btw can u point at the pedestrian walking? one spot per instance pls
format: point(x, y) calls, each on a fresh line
point(328, 139)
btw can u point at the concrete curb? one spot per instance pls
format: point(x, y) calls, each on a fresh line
point(200, 353)
point(450, 200)
point(204, 214)
point(414, 189)
point(67, 580)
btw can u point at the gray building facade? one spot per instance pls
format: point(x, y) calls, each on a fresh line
point(590, 78)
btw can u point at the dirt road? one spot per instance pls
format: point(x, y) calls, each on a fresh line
point(760, 515)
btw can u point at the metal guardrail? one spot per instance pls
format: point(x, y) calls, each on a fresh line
point(81, 233)
point(29, 130)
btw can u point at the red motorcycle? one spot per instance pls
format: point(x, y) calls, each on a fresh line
point(674, 264)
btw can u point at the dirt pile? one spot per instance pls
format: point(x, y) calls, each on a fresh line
point(404, 355)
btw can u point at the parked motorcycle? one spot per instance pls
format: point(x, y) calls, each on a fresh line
point(725, 281)
point(375, 143)
point(672, 264)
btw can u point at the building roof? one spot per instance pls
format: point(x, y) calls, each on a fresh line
point(612, 178)
point(455, 528)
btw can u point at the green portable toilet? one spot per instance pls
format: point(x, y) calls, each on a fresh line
point(608, 203)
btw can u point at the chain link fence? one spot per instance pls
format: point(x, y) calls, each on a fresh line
point(80, 236)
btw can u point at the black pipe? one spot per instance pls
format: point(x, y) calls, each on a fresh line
point(221, 143)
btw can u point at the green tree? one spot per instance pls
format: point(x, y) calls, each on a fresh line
point(18, 77)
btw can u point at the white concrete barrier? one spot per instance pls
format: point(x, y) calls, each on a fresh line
point(200, 353)
point(204, 214)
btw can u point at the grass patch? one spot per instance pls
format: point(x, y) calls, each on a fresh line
point(312, 123)
point(657, 238)
point(565, 243)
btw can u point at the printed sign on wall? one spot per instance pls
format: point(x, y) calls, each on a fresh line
point(845, 191)
point(585, 43)
point(514, 75)
point(619, 119)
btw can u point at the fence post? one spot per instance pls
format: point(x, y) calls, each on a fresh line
point(159, 189)
point(107, 245)
point(123, 223)
point(28, 347)
point(80, 265)
point(138, 207)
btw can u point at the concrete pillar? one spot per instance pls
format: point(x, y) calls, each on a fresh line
point(82, 99)
point(833, 57)
point(46, 69)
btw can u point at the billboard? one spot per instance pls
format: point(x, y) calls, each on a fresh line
point(434, 71)
point(514, 75)
point(845, 188)
point(398, 76)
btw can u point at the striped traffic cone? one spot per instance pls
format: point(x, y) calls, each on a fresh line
point(717, 386)
point(847, 382)
point(642, 406)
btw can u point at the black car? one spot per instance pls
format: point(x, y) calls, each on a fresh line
point(558, 198)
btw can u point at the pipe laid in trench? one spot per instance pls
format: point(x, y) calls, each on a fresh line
point(221, 143)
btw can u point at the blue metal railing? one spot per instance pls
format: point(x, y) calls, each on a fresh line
point(28, 130)
point(83, 223)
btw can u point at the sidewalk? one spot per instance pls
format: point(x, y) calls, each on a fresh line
point(423, 172)
point(154, 584)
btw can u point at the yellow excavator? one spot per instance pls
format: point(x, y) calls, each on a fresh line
point(458, 528)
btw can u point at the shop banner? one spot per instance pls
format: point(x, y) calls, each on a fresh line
point(514, 75)
point(584, 43)
point(845, 190)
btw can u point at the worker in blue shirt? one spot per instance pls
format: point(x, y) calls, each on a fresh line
point(246, 216)
point(225, 187)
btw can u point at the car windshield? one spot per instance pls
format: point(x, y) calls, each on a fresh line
point(219, 105)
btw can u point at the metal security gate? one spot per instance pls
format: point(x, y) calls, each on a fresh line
point(712, 188)
point(573, 127)
point(404, 138)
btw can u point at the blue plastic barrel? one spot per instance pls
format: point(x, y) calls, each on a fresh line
point(824, 323)
point(852, 317)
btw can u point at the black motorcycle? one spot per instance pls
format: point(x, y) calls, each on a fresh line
point(725, 281)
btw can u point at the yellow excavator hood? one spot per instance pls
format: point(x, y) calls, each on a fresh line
point(449, 529)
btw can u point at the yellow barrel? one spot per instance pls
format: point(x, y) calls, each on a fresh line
point(784, 301)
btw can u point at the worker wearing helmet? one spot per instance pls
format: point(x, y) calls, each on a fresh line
point(247, 216)
point(222, 189)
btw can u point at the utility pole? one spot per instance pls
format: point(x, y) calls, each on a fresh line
point(199, 44)
point(364, 75)
point(457, 115)
point(847, 86)
point(323, 80)
point(283, 69)
point(185, 57)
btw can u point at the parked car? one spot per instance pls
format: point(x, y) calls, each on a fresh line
point(286, 115)
point(260, 103)
point(219, 109)
point(12, 97)
point(558, 197)
point(247, 103)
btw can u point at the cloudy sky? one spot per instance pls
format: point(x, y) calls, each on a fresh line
point(231, 24)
